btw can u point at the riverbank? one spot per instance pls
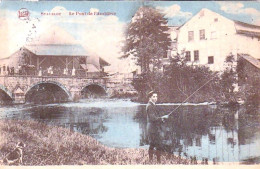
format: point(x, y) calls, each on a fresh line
point(51, 145)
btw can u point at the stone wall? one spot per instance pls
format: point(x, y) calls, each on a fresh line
point(18, 86)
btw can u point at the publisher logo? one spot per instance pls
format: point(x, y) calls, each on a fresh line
point(23, 14)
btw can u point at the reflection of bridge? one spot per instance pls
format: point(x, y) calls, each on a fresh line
point(17, 87)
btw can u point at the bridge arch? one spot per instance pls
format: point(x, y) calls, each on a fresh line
point(93, 89)
point(5, 90)
point(51, 82)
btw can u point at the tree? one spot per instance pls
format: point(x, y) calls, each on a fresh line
point(147, 39)
point(182, 80)
point(229, 78)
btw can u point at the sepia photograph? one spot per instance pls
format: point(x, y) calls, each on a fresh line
point(147, 83)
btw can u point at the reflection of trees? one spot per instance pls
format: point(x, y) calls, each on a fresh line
point(184, 127)
point(248, 125)
point(92, 124)
point(87, 121)
point(141, 118)
point(187, 126)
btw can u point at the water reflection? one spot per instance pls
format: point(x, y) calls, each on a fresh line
point(206, 133)
point(87, 121)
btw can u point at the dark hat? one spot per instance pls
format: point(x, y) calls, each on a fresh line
point(150, 93)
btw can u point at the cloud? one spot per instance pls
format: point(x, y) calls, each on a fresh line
point(251, 11)
point(231, 7)
point(60, 9)
point(174, 11)
point(93, 10)
point(238, 8)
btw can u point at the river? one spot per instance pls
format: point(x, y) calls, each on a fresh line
point(204, 131)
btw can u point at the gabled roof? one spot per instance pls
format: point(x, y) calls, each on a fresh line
point(247, 29)
point(56, 41)
point(246, 24)
point(251, 60)
point(92, 68)
point(204, 9)
point(249, 33)
point(58, 50)
point(250, 30)
point(18, 53)
point(103, 62)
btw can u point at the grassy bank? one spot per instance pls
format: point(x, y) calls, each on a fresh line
point(50, 145)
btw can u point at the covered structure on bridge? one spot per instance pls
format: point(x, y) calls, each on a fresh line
point(55, 52)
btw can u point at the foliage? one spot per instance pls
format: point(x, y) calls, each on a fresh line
point(182, 80)
point(145, 83)
point(249, 83)
point(253, 94)
point(147, 39)
point(229, 79)
point(241, 70)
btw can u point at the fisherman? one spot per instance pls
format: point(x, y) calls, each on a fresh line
point(154, 121)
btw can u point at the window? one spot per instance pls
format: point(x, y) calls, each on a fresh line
point(191, 36)
point(196, 55)
point(216, 20)
point(213, 35)
point(202, 34)
point(210, 59)
point(187, 56)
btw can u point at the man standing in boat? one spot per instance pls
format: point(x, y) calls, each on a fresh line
point(154, 120)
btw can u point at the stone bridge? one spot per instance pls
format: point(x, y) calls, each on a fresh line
point(16, 87)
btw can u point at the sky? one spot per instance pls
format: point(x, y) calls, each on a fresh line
point(99, 34)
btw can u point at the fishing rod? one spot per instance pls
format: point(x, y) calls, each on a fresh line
point(190, 96)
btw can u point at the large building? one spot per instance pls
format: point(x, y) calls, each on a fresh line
point(208, 37)
point(55, 52)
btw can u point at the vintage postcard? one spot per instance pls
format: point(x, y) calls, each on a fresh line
point(162, 83)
